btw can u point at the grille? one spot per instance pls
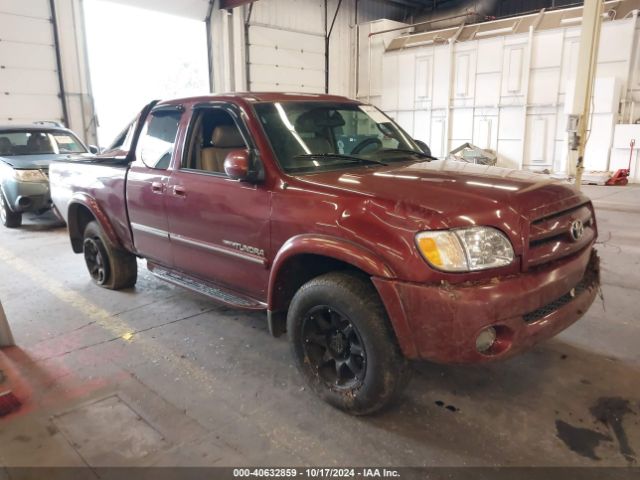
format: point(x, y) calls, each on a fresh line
point(590, 280)
point(550, 237)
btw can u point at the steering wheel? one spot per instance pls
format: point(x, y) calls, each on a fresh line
point(365, 143)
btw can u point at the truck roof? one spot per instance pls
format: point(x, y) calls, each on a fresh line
point(264, 97)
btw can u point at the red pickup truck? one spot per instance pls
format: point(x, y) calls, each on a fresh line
point(324, 213)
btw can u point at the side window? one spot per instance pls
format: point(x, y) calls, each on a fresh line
point(158, 139)
point(213, 135)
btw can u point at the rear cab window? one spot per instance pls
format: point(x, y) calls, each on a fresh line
point(158, 138)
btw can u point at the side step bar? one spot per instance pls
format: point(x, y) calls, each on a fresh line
point(214, 292)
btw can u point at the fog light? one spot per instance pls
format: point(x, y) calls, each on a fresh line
point(486, 339)
point(24, 201)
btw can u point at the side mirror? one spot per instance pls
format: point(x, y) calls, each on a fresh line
point(423, 146)
point(93, 149)
point(236, 164)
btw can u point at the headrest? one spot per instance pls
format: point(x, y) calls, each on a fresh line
point(318, 119)
point(5, 142)
point(227, 136)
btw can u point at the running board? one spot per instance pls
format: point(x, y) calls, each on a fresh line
point(214, 292)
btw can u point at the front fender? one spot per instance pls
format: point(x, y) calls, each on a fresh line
point(79, 201)
point(347, 252)
point(326, 246)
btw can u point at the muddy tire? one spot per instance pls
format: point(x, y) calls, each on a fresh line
point(343, 343)
point(9, 218)
point(109, 267)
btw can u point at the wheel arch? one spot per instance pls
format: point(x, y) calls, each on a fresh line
point(82, 210)
point(306, 256)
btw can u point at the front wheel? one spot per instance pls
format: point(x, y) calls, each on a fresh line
point(343, 343)
point(8, 218)
point(110, 268)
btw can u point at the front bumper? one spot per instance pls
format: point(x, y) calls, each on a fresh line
point(441, 323)
point(27, 196)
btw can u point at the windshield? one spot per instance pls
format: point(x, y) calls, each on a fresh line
point(38, 142)
point(320, 136)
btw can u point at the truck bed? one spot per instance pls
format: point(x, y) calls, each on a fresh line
point(101, 182)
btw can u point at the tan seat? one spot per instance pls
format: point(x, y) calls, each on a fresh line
point(224, 139)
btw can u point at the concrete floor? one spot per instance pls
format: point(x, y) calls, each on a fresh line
point(158, 376)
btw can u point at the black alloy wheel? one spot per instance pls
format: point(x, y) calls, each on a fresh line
point(334, 347)
point(96, 260)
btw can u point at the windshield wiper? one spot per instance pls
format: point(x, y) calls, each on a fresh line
point(340, 156)
point(406, 150)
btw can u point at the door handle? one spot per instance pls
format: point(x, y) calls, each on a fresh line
point(179, 191)
point(157, 187)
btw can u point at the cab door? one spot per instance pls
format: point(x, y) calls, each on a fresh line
point(147, 182)
point(219, 227)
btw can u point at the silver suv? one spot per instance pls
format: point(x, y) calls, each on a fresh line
point(25, 154)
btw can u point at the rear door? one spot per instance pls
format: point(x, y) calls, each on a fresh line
point(147, 183)
point(219, 227)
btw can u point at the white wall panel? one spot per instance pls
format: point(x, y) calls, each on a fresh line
point(406, 81)
point(513, 71)
point(406, 121)
point(423, 80)
point(390, 85)
point(488, 88)
point(539, 143)
point(437, 142)
point(461, 126)
point(490, 56)
point(422, 126)
point(543, 86)
point(487, 93)
point(485, 131)
point(440, 77)
point(545, 53)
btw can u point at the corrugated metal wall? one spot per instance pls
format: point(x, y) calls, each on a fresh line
point(286, 51)
point(29, 81)
point(28, 68)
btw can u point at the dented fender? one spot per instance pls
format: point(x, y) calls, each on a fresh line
point(73, 221)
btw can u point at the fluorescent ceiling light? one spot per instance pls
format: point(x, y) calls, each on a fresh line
point(496, 31)
point(424, 42)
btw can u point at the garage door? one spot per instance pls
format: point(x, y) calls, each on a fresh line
point(284, 60)
point(29, 85)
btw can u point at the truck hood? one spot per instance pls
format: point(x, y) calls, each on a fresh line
point(455, 193)
point(39, 161)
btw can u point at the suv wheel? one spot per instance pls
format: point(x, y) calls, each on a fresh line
point(343, 343)
point(108, 267)
point(9, 219)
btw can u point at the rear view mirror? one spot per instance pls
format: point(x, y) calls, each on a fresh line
point(423, 146)
point(93, 149)
point(236, 164)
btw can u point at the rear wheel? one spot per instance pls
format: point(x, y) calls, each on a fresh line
point(8, 218)
point(343, 344)
point(108, 267)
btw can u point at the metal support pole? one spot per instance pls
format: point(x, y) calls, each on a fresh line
point(6, 337)
point(56, 41)
point(585, 77)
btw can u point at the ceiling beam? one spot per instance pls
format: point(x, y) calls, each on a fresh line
point(226, 4)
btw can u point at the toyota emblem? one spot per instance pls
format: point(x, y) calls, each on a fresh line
point(577, 230)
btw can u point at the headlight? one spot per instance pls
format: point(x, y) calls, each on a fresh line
point(465, 249)
point(29, 176)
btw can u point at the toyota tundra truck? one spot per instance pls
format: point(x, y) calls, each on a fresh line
point(325, 214)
